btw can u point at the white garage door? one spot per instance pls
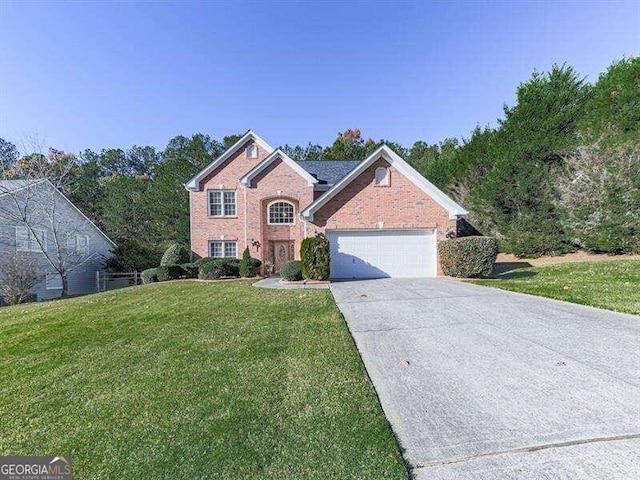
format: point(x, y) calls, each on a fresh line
point(383, 253)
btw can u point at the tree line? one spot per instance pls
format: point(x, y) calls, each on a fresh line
point(559, 172)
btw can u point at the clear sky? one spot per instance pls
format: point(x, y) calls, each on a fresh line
point(114, 74)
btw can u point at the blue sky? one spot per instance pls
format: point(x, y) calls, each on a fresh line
point(100, 75)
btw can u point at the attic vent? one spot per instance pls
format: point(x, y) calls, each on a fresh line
point(252, 151)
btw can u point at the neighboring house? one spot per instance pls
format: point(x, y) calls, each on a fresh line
point(382, 218)
point(33, 215)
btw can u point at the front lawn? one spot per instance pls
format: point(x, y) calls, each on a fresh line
point(612, 285)
point(192, 380)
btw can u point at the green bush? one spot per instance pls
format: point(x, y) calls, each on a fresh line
point(315, 257)
point(169, 272)
point(190, 270)
point(176, 254)
point(149, 276)
point(246, 270)
point(468, 257)
point(214, 268)
point(132, 255)
point(255, 265)
point(291, 271)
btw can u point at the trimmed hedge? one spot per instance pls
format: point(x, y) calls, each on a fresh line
point(315, 258)
point(149, 276)
point(176, 254)
point(291, 271)
point(169, 272)
point(214, 268)
point(468, 257)
point(190, 270)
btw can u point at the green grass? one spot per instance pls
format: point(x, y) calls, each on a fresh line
point(192, 380)
point(613, 285)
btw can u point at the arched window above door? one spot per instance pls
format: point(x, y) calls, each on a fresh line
point(280, 212)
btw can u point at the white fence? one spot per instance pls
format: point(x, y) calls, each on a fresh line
point(112, 281)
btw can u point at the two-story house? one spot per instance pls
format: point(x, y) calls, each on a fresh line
point(382, 218)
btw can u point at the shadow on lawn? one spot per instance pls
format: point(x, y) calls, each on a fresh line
point(512, 270)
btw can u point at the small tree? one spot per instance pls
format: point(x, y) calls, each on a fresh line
point(246, 269)
point(19, 274)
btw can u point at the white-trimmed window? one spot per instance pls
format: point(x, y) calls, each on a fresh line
point(26, 241)
point(54, 281)
point(223, 249)
point(78, 244)
point(252, 151)
point(280, 213)
point(382, 176)
point(222, 203)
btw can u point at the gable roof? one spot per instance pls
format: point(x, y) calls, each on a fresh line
point(329, 172)
point(454, 209)
point(278, 154)
point(194, 183)
point(12, 186)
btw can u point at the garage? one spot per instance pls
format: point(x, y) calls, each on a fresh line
point(383, 253)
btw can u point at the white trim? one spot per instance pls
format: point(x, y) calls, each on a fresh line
point(278, 154)
point(44, 180)
point(83, 215)
point(386, 180)
point(455, 210)
point(222, 204)
point(194, 183)
point(223, 242)
point(281, 200)
point(255, 151)
point(32, 234)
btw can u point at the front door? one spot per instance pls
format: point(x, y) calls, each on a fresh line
point(282, 252)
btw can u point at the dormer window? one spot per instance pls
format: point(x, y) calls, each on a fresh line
point(382, 177)
point(252, 151)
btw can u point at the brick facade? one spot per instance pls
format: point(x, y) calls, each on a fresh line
point(400, 205)
point(250, 226)
point(360, 205)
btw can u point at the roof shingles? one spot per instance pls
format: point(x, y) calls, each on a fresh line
point(329, 172)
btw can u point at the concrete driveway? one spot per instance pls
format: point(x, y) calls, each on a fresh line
point(480, 383)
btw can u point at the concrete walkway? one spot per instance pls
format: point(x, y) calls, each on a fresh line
point(480, 383)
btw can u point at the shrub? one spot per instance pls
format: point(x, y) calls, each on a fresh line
point(214, 268)
point(255, 264)
point(468, 257)
point(174, 255)
point(291, 271)
point(149, 276)
point(190, 270)
point(169, 272)
point(130, 256)
point(245, 264)
point(315, 257)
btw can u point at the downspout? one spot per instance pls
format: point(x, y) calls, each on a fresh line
point(246, 234)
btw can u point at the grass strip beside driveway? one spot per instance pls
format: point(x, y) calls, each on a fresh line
point(611, 285)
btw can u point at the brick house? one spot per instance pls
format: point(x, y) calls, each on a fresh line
point(382, 218)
